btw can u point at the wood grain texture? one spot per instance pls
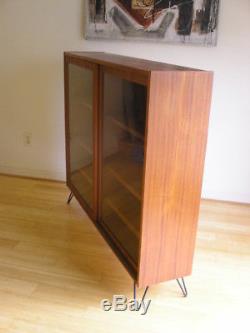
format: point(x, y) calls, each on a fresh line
point(178, 105)
point(129, 74)
point(178, 113)
point(118, 61)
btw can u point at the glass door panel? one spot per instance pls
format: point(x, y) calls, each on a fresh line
point(81, 131)
point(124, 114)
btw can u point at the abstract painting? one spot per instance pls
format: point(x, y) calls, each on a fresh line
point(174, 21)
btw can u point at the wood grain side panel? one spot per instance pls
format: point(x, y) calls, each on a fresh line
point(66, 116)
point(179, 105)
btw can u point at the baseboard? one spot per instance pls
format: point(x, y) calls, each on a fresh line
point(234, 197)
point(224, 202)
point(60, 176)
point(33, 173)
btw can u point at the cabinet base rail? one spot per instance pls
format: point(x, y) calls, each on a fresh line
point(180, 282)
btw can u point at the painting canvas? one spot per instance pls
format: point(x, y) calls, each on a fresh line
point(174, 21)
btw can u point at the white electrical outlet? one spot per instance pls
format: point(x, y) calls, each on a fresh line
point(27, 138)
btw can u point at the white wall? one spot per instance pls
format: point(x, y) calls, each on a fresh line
point(33, 36)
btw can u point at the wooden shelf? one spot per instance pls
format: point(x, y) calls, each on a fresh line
point(122, 169)
point(126, 209)
point(126, 128)
point(86, 172)
point(83, 181)
point(77, 140)
point(120, 226)
point(86, 148)
point(123, 206)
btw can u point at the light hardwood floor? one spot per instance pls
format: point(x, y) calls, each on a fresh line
point(55, 269)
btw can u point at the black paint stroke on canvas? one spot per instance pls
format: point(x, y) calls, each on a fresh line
point(136, 18)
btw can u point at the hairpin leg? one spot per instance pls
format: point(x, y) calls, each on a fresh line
point(183, 287)
point(144, 294)
point(134, 290)
point(181, 284)
point(70, 198)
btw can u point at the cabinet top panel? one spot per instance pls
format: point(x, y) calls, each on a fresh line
point(124, 61)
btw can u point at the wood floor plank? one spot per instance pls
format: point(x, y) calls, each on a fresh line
point(55, 269)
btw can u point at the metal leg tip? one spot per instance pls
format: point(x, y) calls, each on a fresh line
point(144, 294)
point(70, 198)
point(182, 287)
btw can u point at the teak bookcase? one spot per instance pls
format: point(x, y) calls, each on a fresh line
point(136, 135)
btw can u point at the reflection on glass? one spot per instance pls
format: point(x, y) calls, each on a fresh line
point(123, 156)
point(81, 133)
